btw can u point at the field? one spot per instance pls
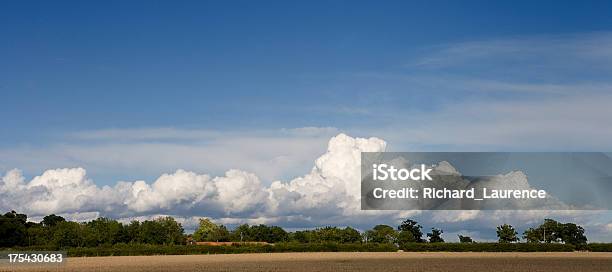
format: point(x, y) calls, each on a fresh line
point(343, 261)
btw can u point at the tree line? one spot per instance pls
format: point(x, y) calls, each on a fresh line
point(550, 231)
point(56, 231)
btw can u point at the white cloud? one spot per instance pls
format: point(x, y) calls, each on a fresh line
point(146, 152)
point(330, 192)
point(328, 195)
point(540, 51)
point(527, 93)
point(330, 185)
point(240, 192)
point(164, 133)
point(568, 123)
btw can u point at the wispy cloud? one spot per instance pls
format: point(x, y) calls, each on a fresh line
point(541, 51)
point(568, 123)
point(545, 92)
point(164, 133)
point(147, 152)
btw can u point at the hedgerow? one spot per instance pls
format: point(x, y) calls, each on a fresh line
point(487, 247)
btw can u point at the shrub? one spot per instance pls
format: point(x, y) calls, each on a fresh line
point(599, 247)
point(486, 247)
point(147, 249)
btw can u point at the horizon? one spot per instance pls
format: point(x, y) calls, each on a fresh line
point(242, 111)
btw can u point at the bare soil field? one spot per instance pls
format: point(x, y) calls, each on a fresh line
point(341, 261)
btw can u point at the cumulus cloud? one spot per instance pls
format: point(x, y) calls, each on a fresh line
point(58, 190)
point(328, 194)
point(328, 187)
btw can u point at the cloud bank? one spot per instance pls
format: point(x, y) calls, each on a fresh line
point(330, 189)
point(328, 195)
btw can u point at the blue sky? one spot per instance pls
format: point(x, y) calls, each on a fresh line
point(364, 68)
point(132, 90)
point(74, 65)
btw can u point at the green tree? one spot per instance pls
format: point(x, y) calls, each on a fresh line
point(211, 232)
point(13, 229)
point(277, 234)
point(52, 220)
point(328, 234)
point(270, 234)
point(533, 235)
point(172, 231)
point(163, 230)
point(302, 236)
point(103, 231)
point(507, 234)
point(68, 234)
point(221, 234)
point(465, 239)
point(205, 230)
point(552, 231)
point(150, 232)
point(405, 237)
point(241, 234)
point(435, 236)
point(382, 234)
point(37, 235)
point(132, 232)
point(259, 233)
point(331, 234)
point(549, 232)
point(413, 227)
point(350, 235)
point(573, 234)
